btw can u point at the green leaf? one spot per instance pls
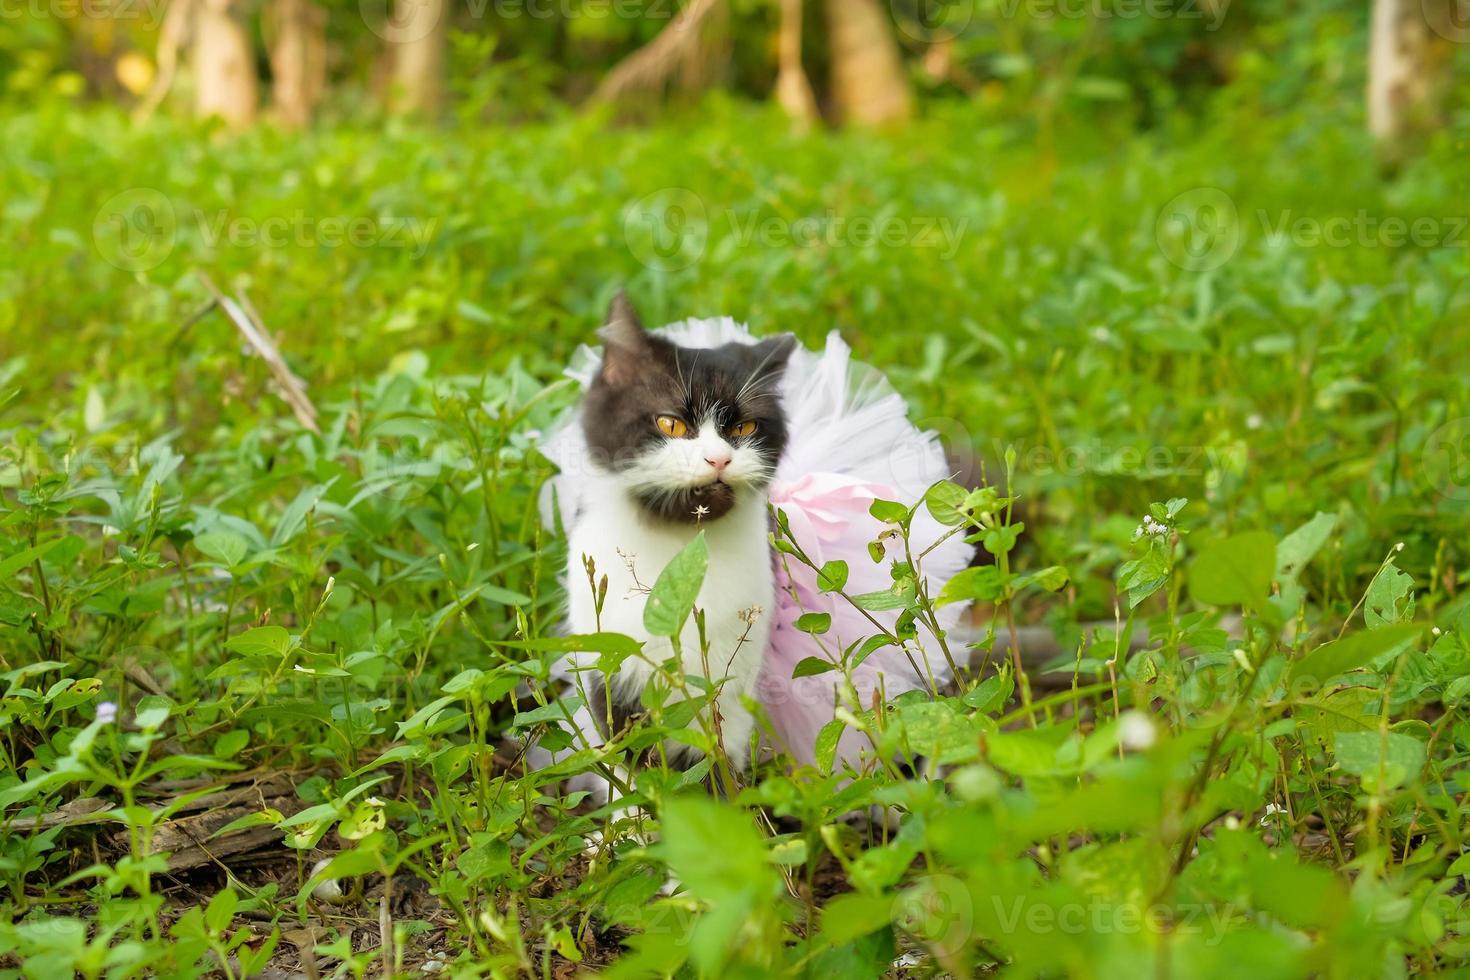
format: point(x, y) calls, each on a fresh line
point(1236, 571)
point(715, 851)
point(945, 501)
point(152, 712)
point(221, 910)
point(814, 623)
point(555, 711)
point(673, 595)
point(1390, 598)
point(898, 596)
point(1301, 546)
point(982, 583)
point(13, 564)
point(225, 547)
point(832, 577)
point(1351, 652)
point(231, 743)
point(294, 516)
point(1053, 578)
point(889, 512)
point(811, 667)
point(1383, 760)
point(852, 915)
point(262, 641)
point(828, 738)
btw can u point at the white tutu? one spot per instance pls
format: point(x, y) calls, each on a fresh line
point(850, 442)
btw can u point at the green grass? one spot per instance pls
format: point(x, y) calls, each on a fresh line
point(365, 609)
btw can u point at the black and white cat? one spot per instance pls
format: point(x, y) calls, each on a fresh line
point(701, 426)
point(680, 440)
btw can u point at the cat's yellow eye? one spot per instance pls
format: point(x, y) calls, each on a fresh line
point(742, 429)
point(672, 427)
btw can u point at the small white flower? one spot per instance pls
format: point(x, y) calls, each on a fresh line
point(1136, 731)
point(1150, 527)
point(1271, 810)
point(701, 510)
point(106, 712)
point(1436, 631)
point(374, 801)
point(302, 670)
point(1232, 822)
point(1254, 422)
point(1399, 546)
point(749, 616)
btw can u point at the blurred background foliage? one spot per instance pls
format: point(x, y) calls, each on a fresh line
point(1018, 62)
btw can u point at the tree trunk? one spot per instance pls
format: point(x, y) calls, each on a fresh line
point(793, 89)
point(418, 34)
point(224, 65)
point(869, 83)
point(706, 63)
point(648, 70)
point(1407, 61)
point(298, 59)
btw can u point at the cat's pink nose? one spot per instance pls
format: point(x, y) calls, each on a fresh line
point(719, 461)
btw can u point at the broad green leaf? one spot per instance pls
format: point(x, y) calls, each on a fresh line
point(1301, 546)
point(815, 623)
point(673, 595)
point(262, 641)
point(944, 501)
point(715, 851)
point(832, 576)
point(982, 583)
point(225, 547)
point(825, 750)
point(849, 916)
point(811, 666)
point(1383, 760)
point(1390, 598)
point(889, 512)
point(1349, 653)
point(22, 559)
point(1236, 571)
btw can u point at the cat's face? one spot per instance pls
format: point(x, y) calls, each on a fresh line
point(687, 431)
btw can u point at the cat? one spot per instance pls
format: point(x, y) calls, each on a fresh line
point(679, 441)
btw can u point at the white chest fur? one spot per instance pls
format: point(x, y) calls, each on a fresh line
point(737, 597)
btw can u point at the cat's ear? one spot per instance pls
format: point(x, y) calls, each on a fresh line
point(625, 344)
point(769, 357)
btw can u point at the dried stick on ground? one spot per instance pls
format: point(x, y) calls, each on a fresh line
point(650, 67)
point(292, 389)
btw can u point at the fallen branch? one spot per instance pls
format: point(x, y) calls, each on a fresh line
point(291, 388)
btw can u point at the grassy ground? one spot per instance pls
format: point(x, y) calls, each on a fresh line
point(328, 646)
